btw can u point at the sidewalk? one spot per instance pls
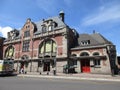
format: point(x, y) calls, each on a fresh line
point(81, 76)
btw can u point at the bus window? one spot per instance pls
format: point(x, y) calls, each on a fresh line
point(10, 62)
point(5, 62)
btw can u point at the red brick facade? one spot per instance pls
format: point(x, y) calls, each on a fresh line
point(51, 44)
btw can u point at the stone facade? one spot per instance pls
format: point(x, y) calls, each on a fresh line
point(50, 45)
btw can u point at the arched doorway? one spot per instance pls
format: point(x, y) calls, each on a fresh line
point(24, 64)
point(85, 63)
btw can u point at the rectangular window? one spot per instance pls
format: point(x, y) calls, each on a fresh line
point(27, 34)
point(97, 62)
point(85, 42)
point(44, 29)
point(75, 62)
point(50, 28)
point(26, 45)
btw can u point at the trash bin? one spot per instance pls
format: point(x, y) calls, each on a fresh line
point(65, 69)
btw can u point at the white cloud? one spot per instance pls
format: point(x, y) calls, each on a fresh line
point(4, 30)
point(104, 15)
point(118, 53)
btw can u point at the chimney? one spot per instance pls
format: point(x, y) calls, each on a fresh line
point(61, 14)
point(28, 20)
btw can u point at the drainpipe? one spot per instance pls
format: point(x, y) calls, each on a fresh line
point(112, 58)
point(31, 57)
point(67, 37)
point(18, 67)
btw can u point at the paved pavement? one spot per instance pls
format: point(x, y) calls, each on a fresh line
point(81, 76)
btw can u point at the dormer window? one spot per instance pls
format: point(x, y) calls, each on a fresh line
point(55, 24)
point(12, 34)
point(50, 28)
point(44, 29)
point(85, 42)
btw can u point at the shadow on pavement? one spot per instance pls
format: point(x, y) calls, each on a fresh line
point(8, 75)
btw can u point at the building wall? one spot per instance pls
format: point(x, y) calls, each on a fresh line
point(33, 53)
point(104, 67)
point(65, 39)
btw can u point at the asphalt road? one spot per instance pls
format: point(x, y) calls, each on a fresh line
point(26, 83)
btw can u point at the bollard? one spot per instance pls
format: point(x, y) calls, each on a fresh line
point(40, 73)
point(47, 73)
point(54, 72)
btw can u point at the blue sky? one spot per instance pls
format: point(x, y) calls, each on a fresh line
point(103, 16)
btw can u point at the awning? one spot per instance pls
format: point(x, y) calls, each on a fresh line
point(69, 66)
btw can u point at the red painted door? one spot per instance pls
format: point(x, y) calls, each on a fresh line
point(85, 66)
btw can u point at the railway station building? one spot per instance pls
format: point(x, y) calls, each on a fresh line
point(51, 45)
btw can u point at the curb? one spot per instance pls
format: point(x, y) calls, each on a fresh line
point(70, 78)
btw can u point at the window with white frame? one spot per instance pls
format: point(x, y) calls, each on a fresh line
point(44, 29)
point(50, 28)
point(85, 42)
point(96, 61)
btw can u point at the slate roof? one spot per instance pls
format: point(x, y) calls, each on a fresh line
point(38, 25)
point(95, 39)
point(60, 24)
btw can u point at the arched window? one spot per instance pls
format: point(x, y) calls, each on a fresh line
point(84, 54)
point(42, 48)
point(47, 46)
point(54, 46)
point(9, 52)
point(73, 55)
point(96, 54)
